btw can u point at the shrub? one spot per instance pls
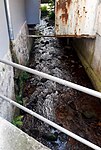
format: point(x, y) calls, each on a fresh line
point(44, 10)
point(51, 15)
point(17, 121)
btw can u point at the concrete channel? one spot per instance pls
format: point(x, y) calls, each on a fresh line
point(73, 110)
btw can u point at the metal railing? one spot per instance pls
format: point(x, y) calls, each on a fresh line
point(60, 36)
point(60, 81)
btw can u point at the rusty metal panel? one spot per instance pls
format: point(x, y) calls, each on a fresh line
point(75, 17)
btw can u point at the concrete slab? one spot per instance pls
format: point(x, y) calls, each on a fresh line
point(12, 138)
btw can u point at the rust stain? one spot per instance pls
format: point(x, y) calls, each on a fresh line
point(71, 18)
point(64, 6)
point(76, 36)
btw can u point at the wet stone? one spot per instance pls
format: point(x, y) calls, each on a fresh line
point(57, 72)
point(43, 80)
point(50, 137)
point(42, 42)
point(46, 56)
point(47, 42)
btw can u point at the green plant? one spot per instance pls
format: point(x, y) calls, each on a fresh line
point(44, 10)
point(19, 99)
point(51, 15)
point(17, 121)
point(23, 76)
point(51, 4)
point(51, 9)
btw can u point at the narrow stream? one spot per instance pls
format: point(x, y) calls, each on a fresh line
point(73, 110)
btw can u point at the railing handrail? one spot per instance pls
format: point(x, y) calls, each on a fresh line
point(60, 81)
point(67, 132)
point(55, 79)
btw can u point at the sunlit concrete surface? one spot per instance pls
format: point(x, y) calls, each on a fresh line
point(12, 138)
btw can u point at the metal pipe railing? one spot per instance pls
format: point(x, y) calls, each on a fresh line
point(74, 136)
point(59, 36)
point(55, 79)
point(9, 20)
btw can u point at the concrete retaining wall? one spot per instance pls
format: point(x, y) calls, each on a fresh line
point(20, 52)
point(6, 72)
point(6, 88)
point(89, 52)
point(22, 45)
point(12, 138)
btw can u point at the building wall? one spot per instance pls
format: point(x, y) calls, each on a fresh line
point(89, 51)
point(19, 49)
point(18, 17)
point(6, 88)
point(20, 44)
point(33, 11)
point(4, 38)
point(6, 72)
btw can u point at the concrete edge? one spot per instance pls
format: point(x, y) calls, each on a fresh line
point(12, 138)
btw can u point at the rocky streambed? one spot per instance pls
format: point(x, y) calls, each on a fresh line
point(73, 110)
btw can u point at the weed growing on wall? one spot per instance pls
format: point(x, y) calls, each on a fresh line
point(17, 121)
point(20, 82)
point(44, 10)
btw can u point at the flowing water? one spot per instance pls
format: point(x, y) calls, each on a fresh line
point(73, 110)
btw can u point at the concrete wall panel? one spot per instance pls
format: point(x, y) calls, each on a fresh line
point(17, 11)
point(96, 62)
point(22, 45)
point(85, 48)
point(33, 11)
point(99, 20)
point(4, 38)
point(89, 51)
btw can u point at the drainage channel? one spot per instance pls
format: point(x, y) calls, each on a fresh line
point(73, 110)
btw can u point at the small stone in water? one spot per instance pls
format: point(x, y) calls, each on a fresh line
point(49, 137)
point(47, 42)
point(42, 42)
point(43, 80)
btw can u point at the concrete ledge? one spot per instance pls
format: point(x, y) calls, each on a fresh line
point(96, 81)
point(12, 138)
point(89, 53)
